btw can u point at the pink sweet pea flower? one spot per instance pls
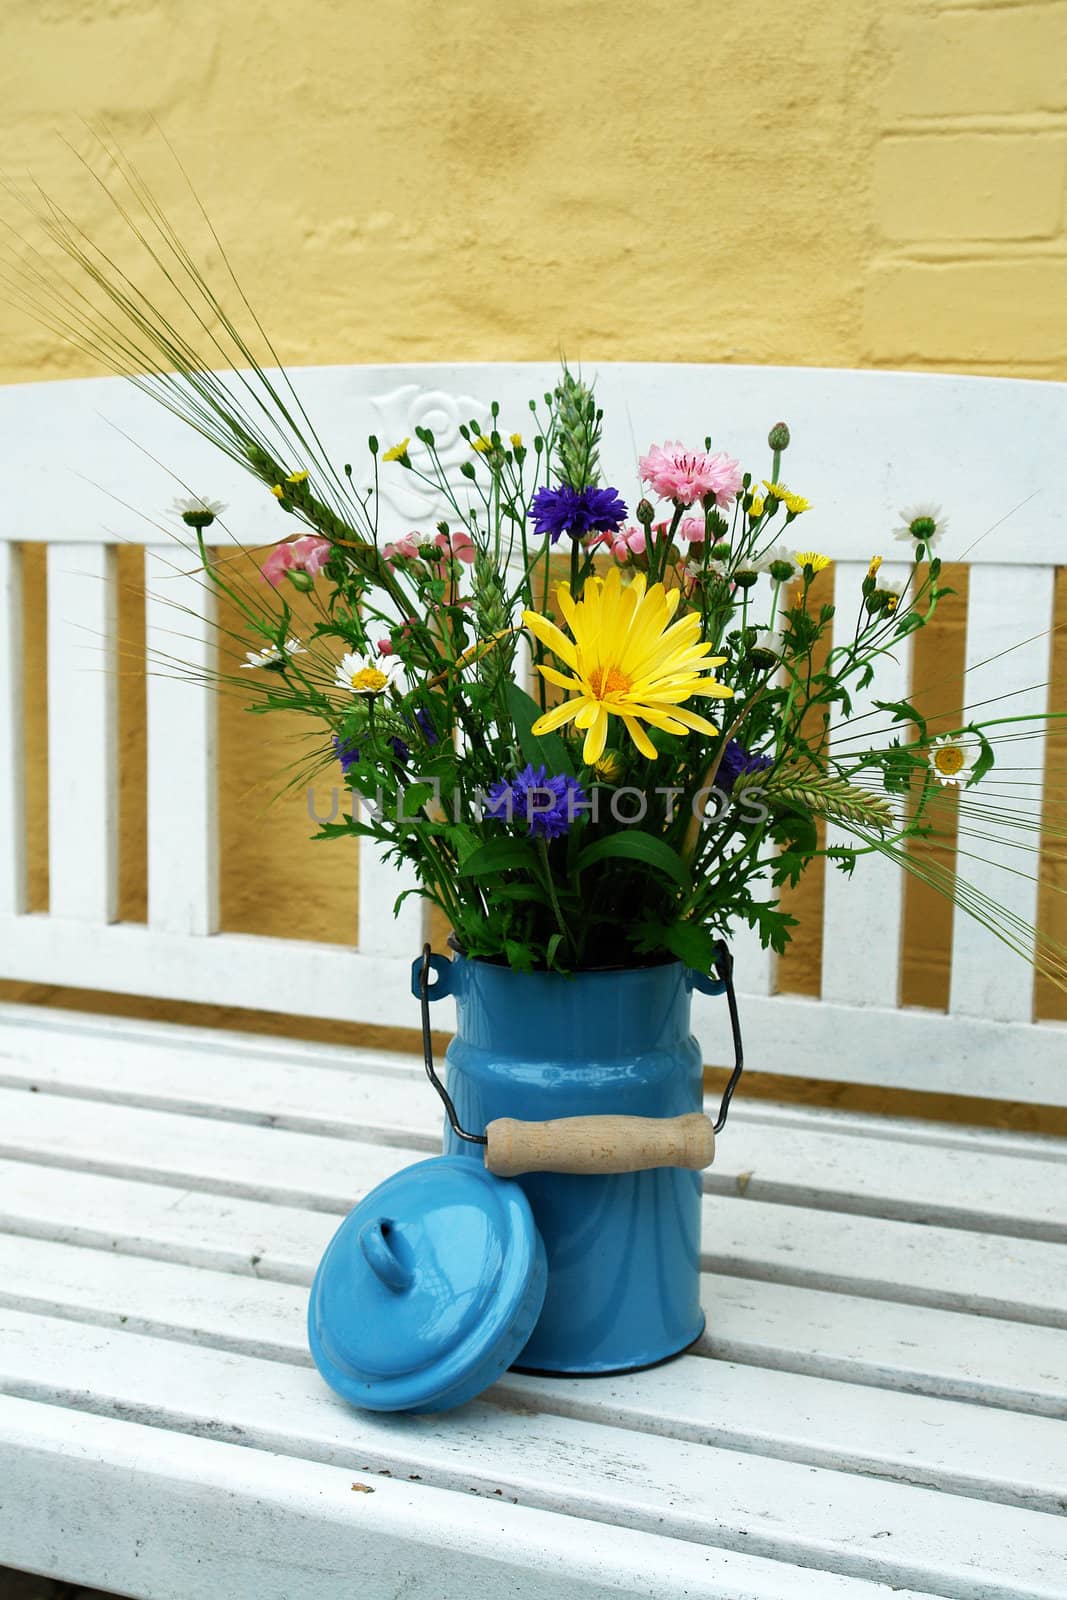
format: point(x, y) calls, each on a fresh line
point(692, 530)
point(308, 554)
point(459, 544)
point(406, 548)
point(686, 476)
point(622, 542)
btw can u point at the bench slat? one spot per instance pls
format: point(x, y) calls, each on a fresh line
point(182, 716)
point(1009, 618)
point(1022, 1279)
point(810, 1164)
point(980, 1451)
point(13, 879)
point(294, 1530)
point(780, 1325)
point(865, 913)
point(857, 1526)
point(82, 734)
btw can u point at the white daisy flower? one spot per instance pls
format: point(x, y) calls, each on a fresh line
point(367, 674)
point(781, 557)
point(196, 511)
point(952, 757)
point(769, 645)
point(922, 523)
point(273, 656)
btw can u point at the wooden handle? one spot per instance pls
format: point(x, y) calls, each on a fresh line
point(599, 1144)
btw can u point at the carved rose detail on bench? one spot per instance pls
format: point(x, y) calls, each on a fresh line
point(404, 498)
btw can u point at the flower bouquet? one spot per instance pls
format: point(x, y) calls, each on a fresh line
point(604, 725)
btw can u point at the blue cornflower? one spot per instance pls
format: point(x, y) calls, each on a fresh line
point(429, 733)
point(400, 749)
point(576, 511)
point(346, 751)
point(736, 761)
point(549, 805)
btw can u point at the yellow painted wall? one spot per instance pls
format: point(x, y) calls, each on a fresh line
point(847, 184)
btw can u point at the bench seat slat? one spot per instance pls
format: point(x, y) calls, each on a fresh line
point(991, 1454)
point(1017, 1278)
point(807, 1165)
point(295, 1530)
point(749, 1320)
point(854, 1525)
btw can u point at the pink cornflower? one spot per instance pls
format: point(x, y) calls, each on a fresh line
point(692, 530)
point(308, 554)
point(686, 476)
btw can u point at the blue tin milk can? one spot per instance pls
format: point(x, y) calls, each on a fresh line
point(560, 1231)
point(622, 1247)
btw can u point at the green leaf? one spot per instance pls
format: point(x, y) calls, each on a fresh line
point(691, 943)
point(546, 749)
point(636, 846)
point(904, 711)
point(985, 760)
point(499, 855)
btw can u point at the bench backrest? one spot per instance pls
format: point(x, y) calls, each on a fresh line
point(870, 442)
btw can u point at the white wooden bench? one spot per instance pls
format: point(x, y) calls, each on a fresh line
point(877, 1404)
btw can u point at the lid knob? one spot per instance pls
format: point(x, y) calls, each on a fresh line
point(377, 1241)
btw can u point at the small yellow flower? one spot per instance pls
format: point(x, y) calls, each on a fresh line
point(297, 477)
point(610, 767)
point(812, 559)
point(277, 491)
point(398, 452)
point(482, 444)
point(795, 503)
point(516, 441)
point(755, 510)
point(778, 490)
point(876, 562)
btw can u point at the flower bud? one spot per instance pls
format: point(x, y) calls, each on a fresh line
point(720, 552)
point(778, 438)
point(644, 513)
point(746, 579)
point(301, 580)
point(782, 571)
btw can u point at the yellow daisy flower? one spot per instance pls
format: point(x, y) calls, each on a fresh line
point(812, 559)
point(778, 490)
point(627, 661)
point(755, 510)
point(876, 562)
point(795, 503)
point(398, 452)
point(516, 441)
point(482, 444)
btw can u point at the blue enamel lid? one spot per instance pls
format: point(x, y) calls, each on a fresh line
point(429, 1289)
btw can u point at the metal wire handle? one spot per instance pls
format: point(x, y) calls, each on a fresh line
point(724, 967)
point(427, 1055)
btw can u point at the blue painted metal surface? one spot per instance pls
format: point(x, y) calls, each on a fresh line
point(623, 1251)
point(428, 1290)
